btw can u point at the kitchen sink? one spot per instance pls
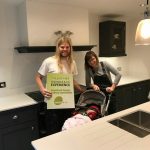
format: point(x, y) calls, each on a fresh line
point(139, 118)
point(137, 123)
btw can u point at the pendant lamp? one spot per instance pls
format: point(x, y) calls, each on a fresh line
point(142, 36)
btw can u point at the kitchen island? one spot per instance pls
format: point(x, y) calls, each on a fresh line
point(97, 135)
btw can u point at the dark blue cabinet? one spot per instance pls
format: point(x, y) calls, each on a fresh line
point(18, 127)
point(112, 38)
point(130, 95)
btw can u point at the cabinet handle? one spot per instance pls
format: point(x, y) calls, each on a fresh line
point(134, 89)
point(32, 128)
point(15, 117)
point(42, 113)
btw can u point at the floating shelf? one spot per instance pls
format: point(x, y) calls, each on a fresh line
point(113, 55)
point(42, 49)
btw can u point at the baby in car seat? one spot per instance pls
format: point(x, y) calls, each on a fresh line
point(82, 116)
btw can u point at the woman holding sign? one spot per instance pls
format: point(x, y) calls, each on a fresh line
point(62, 62)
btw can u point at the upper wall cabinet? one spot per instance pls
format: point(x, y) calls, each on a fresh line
point(112, 38)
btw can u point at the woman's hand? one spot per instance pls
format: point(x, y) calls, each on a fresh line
point(43, 90)
point(46, 93)
point(111, 89)
point(78, 87)
point(95, 87)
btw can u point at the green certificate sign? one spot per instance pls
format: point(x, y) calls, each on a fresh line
point(61, 86)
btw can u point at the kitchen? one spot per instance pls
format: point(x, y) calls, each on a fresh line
point(18, 69)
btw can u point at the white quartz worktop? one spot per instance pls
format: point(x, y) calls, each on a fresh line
point(131, 79)
point(15, 101)
point(96, 135)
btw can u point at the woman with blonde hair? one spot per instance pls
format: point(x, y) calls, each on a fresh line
point(61, 62)
point(59, 55)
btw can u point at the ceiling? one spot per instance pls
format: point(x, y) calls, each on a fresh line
point(104, 8)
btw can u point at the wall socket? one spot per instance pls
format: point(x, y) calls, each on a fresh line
point(2, 84)
point(119, 68)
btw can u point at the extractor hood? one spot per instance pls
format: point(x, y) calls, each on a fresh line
point(38, 22)
point(42, 49)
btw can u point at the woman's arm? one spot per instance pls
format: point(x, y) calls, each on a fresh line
point(111, 88)
point(88, 78)
point(78, 87)
point(39, 82)
point(117, 75)
point(115, 72)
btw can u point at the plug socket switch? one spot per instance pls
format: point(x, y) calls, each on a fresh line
point(2, 84)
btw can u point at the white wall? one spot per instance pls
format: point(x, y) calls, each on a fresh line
point(44, 18)
point(18, 70)
point(93, 40)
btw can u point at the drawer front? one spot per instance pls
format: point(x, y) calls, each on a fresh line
point(18, 115)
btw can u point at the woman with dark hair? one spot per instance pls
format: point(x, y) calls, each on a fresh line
point(99, 72)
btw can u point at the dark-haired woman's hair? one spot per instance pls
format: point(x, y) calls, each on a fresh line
point(87, 57)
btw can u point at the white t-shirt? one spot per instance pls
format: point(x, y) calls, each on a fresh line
point(50, 65)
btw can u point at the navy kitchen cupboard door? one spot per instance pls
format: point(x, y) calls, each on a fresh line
point(123, 98)
point(18, 137)
point(132, 94)
point(140, 92)
point(112, 38)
